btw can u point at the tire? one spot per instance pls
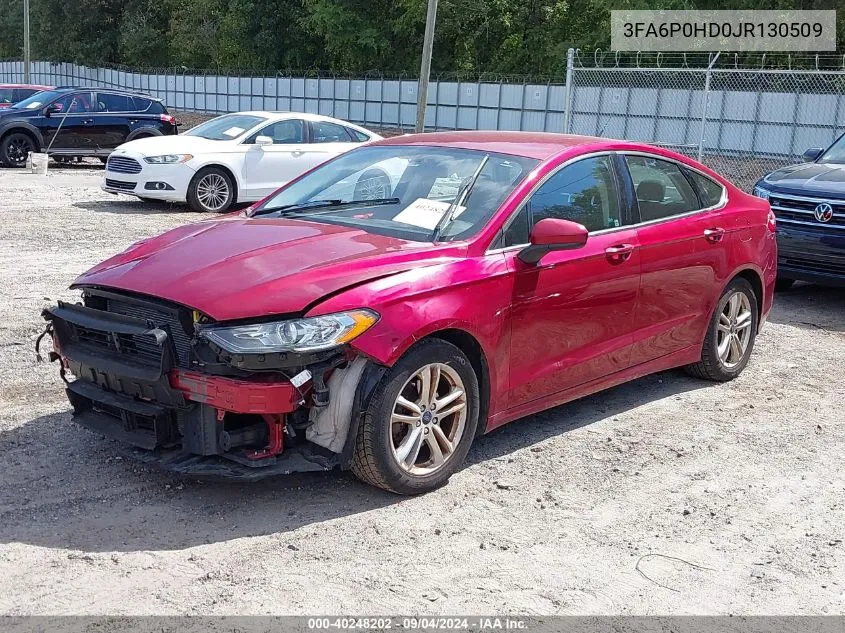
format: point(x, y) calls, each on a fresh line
point(15, 147)
point(783, 283)
point(372, 185)
point(727, 365)
point(381, 438)
point(201, 196)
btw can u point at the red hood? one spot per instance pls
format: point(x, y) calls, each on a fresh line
point(237, 268)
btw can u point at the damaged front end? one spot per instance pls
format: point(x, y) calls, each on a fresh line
point(205, 399)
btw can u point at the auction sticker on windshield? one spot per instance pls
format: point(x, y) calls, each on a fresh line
point(425, 213)
point(234, 131)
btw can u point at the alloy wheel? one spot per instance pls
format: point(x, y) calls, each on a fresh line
point(428, 419)
point(733, 330)
point(213, 191)
point(18, 148)
point(372, 189)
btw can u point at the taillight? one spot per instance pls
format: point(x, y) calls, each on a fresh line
point(168, 118)
point(771, 221)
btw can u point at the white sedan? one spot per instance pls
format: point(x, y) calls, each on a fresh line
point(239, 157)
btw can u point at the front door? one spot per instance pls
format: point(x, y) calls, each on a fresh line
point(69, 125)
point(268, 167)
point(572, 313)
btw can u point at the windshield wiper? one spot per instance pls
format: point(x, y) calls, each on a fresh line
point(460, 197)
point(323, 204)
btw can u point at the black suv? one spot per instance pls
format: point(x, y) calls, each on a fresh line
point(70, 122)
point(808, 200)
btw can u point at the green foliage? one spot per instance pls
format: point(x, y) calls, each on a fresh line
point(473, 36)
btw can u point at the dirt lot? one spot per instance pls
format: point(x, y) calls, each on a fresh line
point(668, 495)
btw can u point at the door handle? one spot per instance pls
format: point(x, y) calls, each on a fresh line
point(297, 152)
point(87, 121)
point(619, 253)
point(714, 235)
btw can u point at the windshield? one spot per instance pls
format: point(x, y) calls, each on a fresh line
point(404, 191)
point(226, 127)
point(38, 99)
point(835, 153)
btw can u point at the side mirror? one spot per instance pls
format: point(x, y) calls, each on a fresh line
point(263, 140)
point(54, 108)
point(553, 235)
point(813, 153)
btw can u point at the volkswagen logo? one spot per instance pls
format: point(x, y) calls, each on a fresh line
point(823, 212)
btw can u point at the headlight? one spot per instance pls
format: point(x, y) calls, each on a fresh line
point(297, 335)
point(761, 193)
point(168, 159)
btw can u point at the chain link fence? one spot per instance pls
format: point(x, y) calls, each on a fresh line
point(742, 121)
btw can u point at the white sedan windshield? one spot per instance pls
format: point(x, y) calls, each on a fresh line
point(226, 127)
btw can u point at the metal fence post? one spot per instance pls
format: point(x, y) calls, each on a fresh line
point(704, 106)
point(567, 109)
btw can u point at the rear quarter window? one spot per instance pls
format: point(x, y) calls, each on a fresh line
point(709, 191)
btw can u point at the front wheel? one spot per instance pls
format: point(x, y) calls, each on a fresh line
point(730, 335)
point(421, 420)
point(14, 149)
point(211, 190)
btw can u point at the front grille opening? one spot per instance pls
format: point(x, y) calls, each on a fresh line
point(173, 319)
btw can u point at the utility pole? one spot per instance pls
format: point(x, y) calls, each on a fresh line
point(425, 67)
point(26, 50)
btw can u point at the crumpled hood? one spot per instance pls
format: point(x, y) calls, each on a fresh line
point(810, 178)
point(236, 267)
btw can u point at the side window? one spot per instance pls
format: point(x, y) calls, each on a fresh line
point(114, 103)
point(584, 192)
point(75, 103)
point(325, 132)
point(709, 191)
point(662, 189)
point(282, 132)
point(357, 136)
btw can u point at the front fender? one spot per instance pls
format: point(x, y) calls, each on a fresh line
point(22, 124)
point(472, 295)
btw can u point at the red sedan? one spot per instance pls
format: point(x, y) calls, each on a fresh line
point(386, 308)
point(10, 94)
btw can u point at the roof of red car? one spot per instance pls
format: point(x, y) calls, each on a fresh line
point(538, 145)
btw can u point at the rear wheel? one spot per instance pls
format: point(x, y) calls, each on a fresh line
point(730, 336)
point(14, 149)
point(420, 422)
point(211, 190)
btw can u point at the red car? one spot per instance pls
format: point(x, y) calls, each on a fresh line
point(386, 308)
point(10, 94)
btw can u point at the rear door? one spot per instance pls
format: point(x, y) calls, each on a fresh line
point(111, 122)
point(684, 249)
point(573, 312)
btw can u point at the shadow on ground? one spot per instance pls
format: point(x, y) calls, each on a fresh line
point(134, 207)
point(64, 488)
point(811, 307)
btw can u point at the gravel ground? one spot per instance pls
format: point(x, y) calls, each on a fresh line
point(665, 496)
